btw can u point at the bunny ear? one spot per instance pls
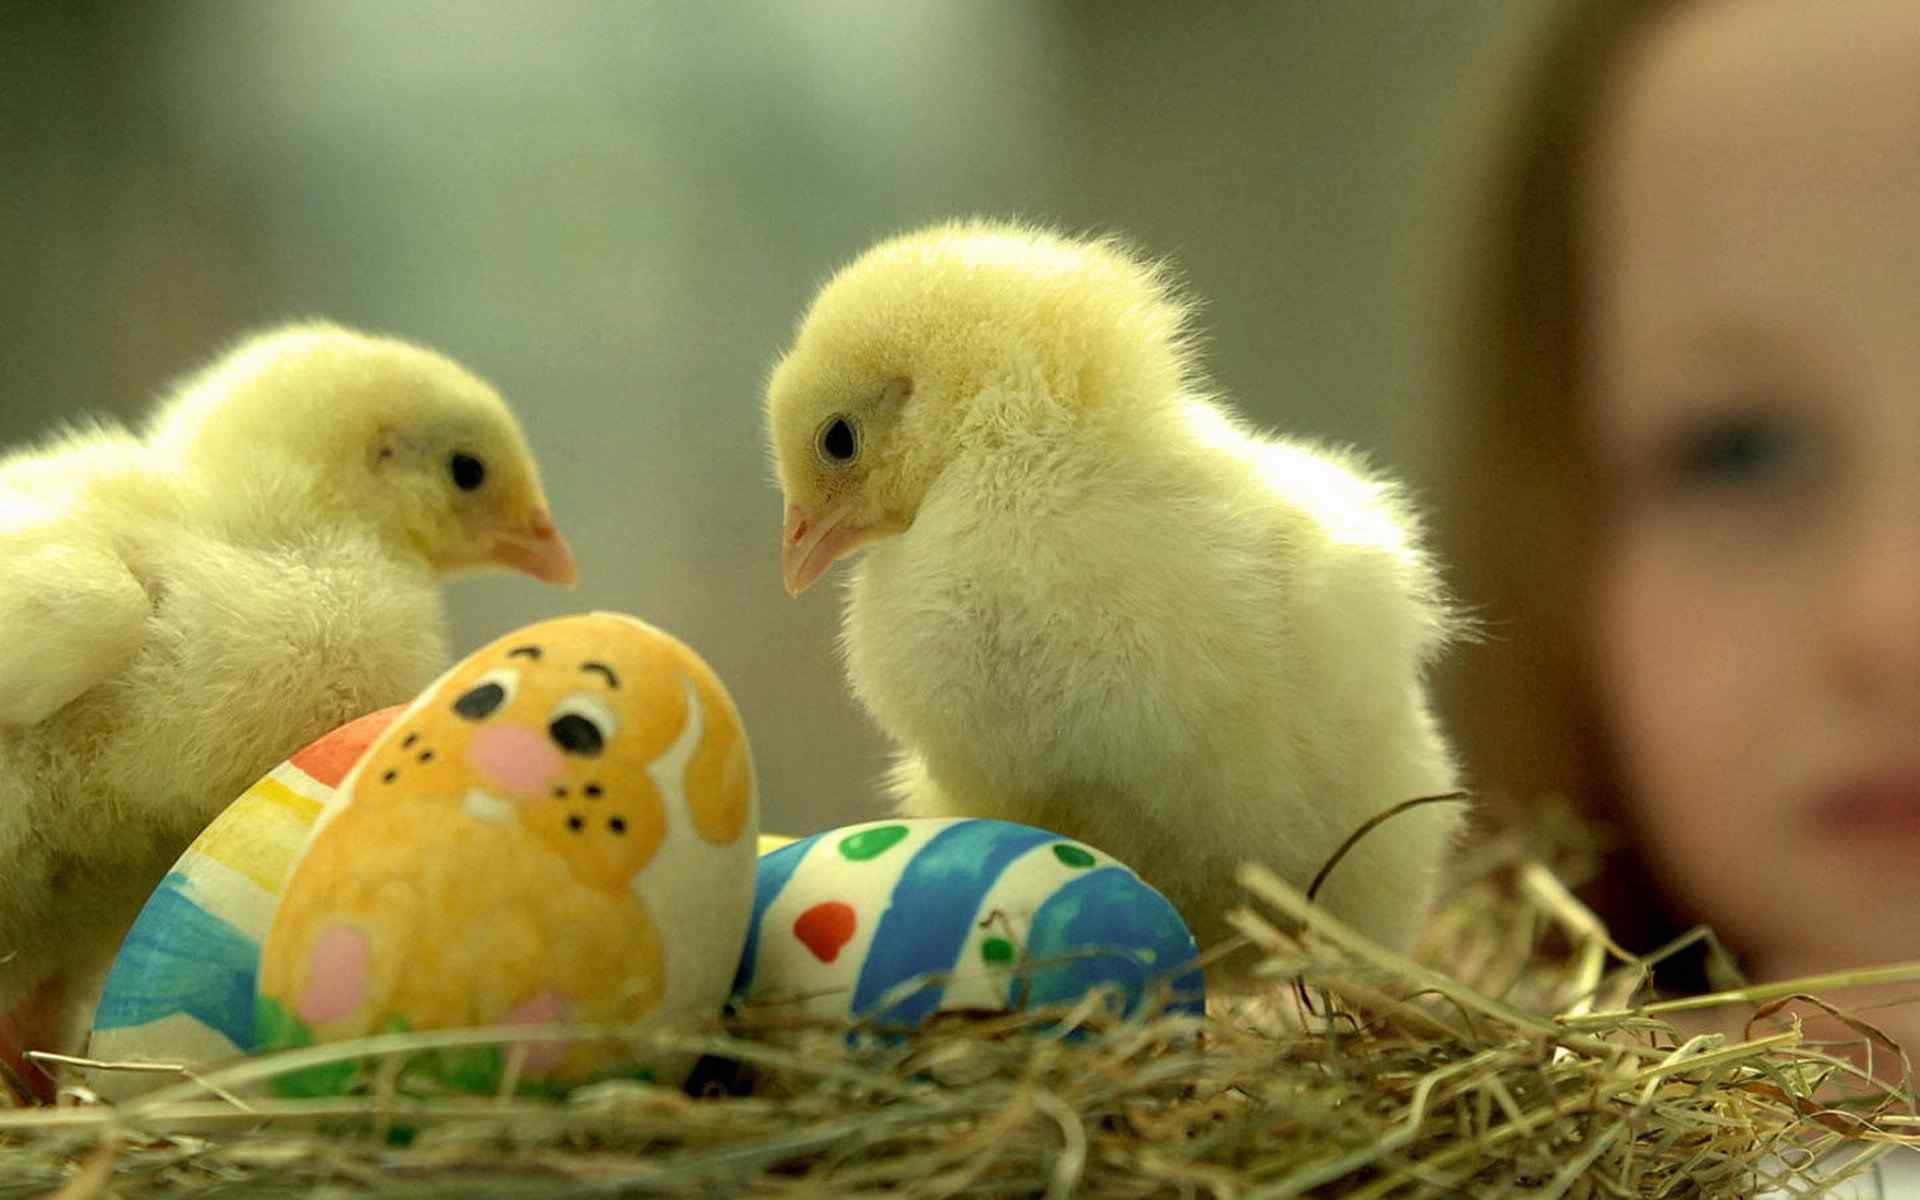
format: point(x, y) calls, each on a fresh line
point(725, 773)
point(708, 771)
point(669, 771)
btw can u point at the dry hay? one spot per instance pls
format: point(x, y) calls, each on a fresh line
point(1521, 1072)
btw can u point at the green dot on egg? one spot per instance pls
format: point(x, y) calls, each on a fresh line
point(469, 1068)
point(997, 950)
point(1072, 855)
point(276, 1027)
point(871, 843)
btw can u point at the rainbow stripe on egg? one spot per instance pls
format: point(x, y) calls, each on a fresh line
point(181, 988)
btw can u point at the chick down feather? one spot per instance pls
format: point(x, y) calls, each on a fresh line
point(1092, 599)
point(181, 609)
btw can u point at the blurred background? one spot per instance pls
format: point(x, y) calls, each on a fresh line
point(617, 211)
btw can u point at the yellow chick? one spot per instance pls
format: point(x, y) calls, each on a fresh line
point(1090, 599)
point(185, 607)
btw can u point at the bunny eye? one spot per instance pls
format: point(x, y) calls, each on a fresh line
point(582, 724)
point(492, 692)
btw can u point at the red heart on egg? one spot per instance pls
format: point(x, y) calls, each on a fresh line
point(825, 928)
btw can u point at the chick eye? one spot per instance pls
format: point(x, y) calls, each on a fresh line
point(582, 724)
point(468, 472)
point(487, 696)
point(839, 442)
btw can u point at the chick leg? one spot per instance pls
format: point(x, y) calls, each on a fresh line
point(40, 1022)
point(23, 1084)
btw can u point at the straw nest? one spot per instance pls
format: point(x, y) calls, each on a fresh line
point(1537, 1063)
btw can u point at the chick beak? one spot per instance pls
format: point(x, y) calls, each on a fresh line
point(809, 544)
point(539, 551)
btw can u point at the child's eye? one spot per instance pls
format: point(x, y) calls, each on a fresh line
point(1739, 451)
point(1736, 474)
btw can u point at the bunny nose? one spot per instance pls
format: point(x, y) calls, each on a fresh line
point(515, 759)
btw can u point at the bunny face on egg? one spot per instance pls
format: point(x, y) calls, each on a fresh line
point(559, 829)
point(581, 731)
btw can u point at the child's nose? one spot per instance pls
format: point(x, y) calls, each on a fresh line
point(515, 759)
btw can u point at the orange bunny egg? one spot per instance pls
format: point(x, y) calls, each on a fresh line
point(512, 848)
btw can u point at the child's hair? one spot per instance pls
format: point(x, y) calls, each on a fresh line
point(1519, 507)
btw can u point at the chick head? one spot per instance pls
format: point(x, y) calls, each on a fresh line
point(950, 340)
point(344, 427)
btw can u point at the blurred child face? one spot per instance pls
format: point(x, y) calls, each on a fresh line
point(1757, 373)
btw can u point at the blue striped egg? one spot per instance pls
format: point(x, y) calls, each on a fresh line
point(888, 922)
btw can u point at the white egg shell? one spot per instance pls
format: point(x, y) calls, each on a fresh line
point(891, 921)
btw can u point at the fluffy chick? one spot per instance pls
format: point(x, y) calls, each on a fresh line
point(184, 607)
point(1090, 599)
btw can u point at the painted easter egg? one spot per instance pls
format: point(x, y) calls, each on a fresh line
point(889, 922)
point(181, 988)
point(561, 829)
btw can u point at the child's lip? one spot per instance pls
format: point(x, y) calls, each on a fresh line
point(1883, 802)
